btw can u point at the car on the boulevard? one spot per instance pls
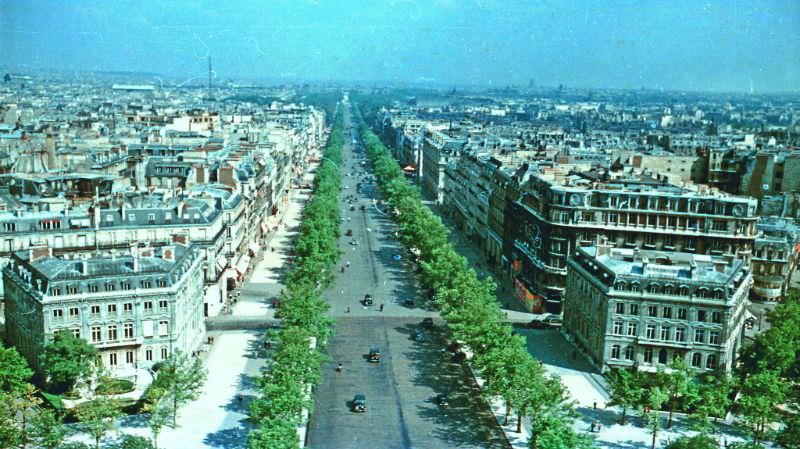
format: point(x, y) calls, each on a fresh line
point(374, 355)
point(368, 301)
point(427, 322)
point(359, 403)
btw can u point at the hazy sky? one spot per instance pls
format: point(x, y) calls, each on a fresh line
point(681, 44)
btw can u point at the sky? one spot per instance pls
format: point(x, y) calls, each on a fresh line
point(727, 45)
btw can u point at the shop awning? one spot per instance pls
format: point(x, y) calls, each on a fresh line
point(242, 264)
point(253, 246)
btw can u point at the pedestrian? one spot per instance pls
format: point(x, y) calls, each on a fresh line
point(594, 405)
point(381, 307)
point(240, 398)
point(348, 309)
point(594, 424)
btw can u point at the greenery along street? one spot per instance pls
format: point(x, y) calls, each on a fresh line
point(295, 365)
point(470, 308)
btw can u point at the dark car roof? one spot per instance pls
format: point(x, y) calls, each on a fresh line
point(360, 397)
point(374, 349)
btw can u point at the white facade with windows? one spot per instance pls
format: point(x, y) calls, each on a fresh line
point(136, 308)
point(628, 307)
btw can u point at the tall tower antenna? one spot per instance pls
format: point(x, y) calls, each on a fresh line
point(209, 77)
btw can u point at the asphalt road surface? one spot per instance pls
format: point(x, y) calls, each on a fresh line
point(400, 390)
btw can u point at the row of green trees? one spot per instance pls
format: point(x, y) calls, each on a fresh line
point(469, 306)
point(766, 386)
point(295, 365)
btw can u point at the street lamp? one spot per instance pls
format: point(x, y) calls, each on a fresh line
point(326, 159)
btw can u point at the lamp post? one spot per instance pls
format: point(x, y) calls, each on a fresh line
point(326, 159)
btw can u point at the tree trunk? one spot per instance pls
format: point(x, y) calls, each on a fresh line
point(669, 420)
point(655, 433)
point(519, 423)
point(508, 412)
point(97, 442)
point(624, 411)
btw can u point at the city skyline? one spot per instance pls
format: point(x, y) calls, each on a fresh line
point(711, 46)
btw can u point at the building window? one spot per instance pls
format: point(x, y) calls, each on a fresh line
point(713, 337)
point(650, 331)
point(148, 306)
point(662, 356)
point(711, 362)
point(164, 354)
point(146, 284)
point(716, 317)
point(682, 313)
point(129, 357)
point(128, 330)
point(72, 290)
point(666, 312)
point(112, 359)
point(55, 291)
point(162, 305)
point(701, 316)
point(73, 312)
point(95, 310)
point(127, 308)
point(652, 311)
point(633, 309)
point(699, 336)
point(58, 314)
point(665, 331)
point(629, 353)
point(620, 307)
point(112, 333)
point(161, 283)
point(148, 355)
point(92, 288)
point(696, 359)
point(96, 334)
point(648, 355)
point(112, 309)
point(163, 328)
point(76, 332)
point(110, 287)
point(617, 327)
point(631, 329)
point(680, 334)
point(125, 285)
point(615, 350)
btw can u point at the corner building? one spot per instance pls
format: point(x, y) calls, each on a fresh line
point(136, 308)
point(634, 308)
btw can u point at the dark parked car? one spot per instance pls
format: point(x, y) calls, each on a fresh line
point(418, 336)
point(441, 399)
point(360, 403)
point(554, 321)
point(537, 324)
point(427, 322)
point(352, 208)
point(349, 233)
point(408, 303)
point(368, 300)
point(362, 207)
point(374, 355)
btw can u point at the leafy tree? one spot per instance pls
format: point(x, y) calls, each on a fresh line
point(98, 417)
point(653, 396)
point(699, 441)
point(180, 380)
point(709, 397)
point(761, 393)
point(557, 433)
point(626, 389)
point(67, 359)
point(47, 430)
point(274, 434)
point(14, 372)
point(158, 416)
point(676, 383)
point(132, 442)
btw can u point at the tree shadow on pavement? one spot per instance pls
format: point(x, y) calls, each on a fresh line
point(233, 438)
point(467, 421)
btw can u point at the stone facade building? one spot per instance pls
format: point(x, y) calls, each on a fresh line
point(136, 308)
point(629, 307)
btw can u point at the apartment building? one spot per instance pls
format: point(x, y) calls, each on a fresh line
point(136, 307)
point(556, 212)
point(438, 150)
point(644, 308)
point(775, 258)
